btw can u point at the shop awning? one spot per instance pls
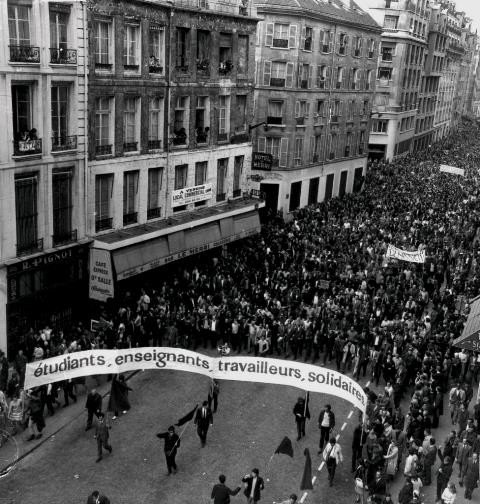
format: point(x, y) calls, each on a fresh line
point(470, 338)
point(147, 255)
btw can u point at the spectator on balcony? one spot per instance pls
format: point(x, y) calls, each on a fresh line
point(32, 134)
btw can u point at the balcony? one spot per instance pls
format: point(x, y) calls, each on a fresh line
point(181, 68)
point(103, 224)
point(24, 54)
point(222, 137)
point(130, 218)
point(276, 82)
point(27, 147)
point(203, 66)
point(154, 144)
point(334, 119)
point(274, 120)
point(201, 137)
point(103, 150)
point(130, 146)
point(179, 140)
point(29, 247)
point(304, 83)
point(221, 197)
point(154, 65)
point(342, 50)
point(64, 238)
point(154, 213)
point(64, 143)
point(300, 121)
point(325, 48)
point(236, 193)
point(321, 84)
point(62, 56)
point(280, 43)
point(103, 66)
point(316, 158)
point(225, 67)
point(231, 7)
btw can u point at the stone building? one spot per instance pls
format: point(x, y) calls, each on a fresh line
point(43, 244)
point(170, 100)
point(315, 81)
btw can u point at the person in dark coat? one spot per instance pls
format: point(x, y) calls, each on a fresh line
point(96, 498)
point(326, 423)
point(378, 488)
point(301, 414)
point(172, 443)
point(254, 486)
point(406, 493)
point(221, 493)
point(102, 435)
point(213, 395)
point(34, 412)
point(471, 475)
point(359, 438)
point(118, 400)
point(203, 419)
point(443, 476)
point(93, 406)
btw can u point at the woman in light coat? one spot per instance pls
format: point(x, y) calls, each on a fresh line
point(391, 459)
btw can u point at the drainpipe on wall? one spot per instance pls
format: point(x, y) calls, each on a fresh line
point(86, 178)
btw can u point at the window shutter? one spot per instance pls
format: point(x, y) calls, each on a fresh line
point(320, 40)
point(304, 36)
point(346, 44)
point(269, 35)
point(340, 109)
point(289, 80)
point(292, 38)
point(328, 77)
point(307, 110)
point(310, 76)
point(262, 144)
point(267, 71)
point(259, 33)
point(313, 40)
point(283, 152)
point(297, 109)
point(351, 78)
point(319, 76)
point(330, 42)
point(312, 149)
point(335, 76)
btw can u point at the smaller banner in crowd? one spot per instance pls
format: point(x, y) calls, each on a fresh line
point(247, 369)
point(193, 194)
point(417, 256)
point(452, 169)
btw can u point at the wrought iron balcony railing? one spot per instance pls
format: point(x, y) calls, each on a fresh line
point(27, 147)
point(24, 54)
point(64, 143)
point(62, 56)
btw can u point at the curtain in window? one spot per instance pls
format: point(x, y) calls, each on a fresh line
point(103, 194)
point(62, 203)
point(200, 173)
point(181, 176)
point(237, 172)
point(26, 210)
point(154, 186)
point(130, 187)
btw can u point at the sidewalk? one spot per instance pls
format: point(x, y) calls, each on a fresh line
point(17, 447)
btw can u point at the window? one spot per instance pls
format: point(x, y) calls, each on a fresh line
point(342, 43)
point(365, 108)
point(242, 64)
point(182, 46)
point(280, 35)
point(62, 206)
point(361, 142)
point(26, 214)
point(130, 138)
point(355, 78)
point(222, 167)
point(223, 117)
point(380, 125)
point(22, 110)
point(225, 63)
point(350, 110)
point(103, 51)
point(58, 30)
point(302, 111)
point(357, 46)
point(326, 39)
point(371, 48)
point(305, 76)
point(181, 173)
point(339, 82)
point(317, 150)
point(180, 125)
point(295, 194)
point(384, 73)
point(156, 48)
point(131, 47)
point(348, 144)
point(59, 116)
point(298, 157)
point(154, 209)
point(103, 138)
point(320, 108)
point(202, 122)
point(387, 53)
point(322, 77)
point(201, 169)
point(275, 112)
point(130, 191)
point(19, 25)
point(203, 51)
point(368, 81)
point(277, 147)
point(155, 123)
point(390, 22)
point(240, 116)
point(103, 196)
point(237, 176)
point(332, 151)
point(308, 39)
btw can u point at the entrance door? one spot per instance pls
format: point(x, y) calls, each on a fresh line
point(313, 191)
point(358, 180)
point(329, 186)
point(343, 184)
point(295, 192)
point(271, 196)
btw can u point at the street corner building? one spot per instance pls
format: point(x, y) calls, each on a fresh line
point(315, 82)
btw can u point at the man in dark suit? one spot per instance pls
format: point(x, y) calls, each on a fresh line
point(203, 419)
point(378, 488)
point(172, 442)
point(326, 423)
point(254, 485)
point(301, 412)
point(221, 493)
point(93, 406)
point(359, 438)
point(102, 435)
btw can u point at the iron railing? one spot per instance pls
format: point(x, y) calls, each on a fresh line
point(64, 143)
point(30, 247)
point(64, 238)
point(103, 224)
point(27, 147)
point(61, 56)
point(24, 54)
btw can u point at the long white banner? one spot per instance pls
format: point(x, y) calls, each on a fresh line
point(453, 170)
point(193, 194)
point(248, 369)
point(404, 255)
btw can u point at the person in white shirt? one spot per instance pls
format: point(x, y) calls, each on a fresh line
point(332, 456)
point(449, 494)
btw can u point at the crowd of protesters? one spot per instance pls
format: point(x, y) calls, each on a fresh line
point(319, 288)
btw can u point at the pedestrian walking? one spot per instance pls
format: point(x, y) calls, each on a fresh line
point(118, 400)
point(36, 423)
point(326, 423)
point(358, 440)
point(16, 411)
point(430, 455)
point(67, 386)
point(254, 485)
point(203, 420)
point(332, 456)
point(464, 450)
point(93, 406)
point(449, 494)
point(443, 476)
point(471, 475)
point(378, 488)
point(221, 493)
point(172, 443)
point(213, 394)
point(391, 459)
point(301, 412)
point(96, 498)
point(102, 436)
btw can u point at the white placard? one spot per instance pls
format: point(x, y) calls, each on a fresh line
point(101, 275)
point(189, 195)
point(452, 169)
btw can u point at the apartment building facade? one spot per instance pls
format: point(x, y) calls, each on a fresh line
point(316, 66)
point(43, 245)
point(171, 101)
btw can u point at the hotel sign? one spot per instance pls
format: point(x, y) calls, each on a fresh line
point(262, 161)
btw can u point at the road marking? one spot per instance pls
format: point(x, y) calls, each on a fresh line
point(320, 467)
point(350, 414)
point(304, 496)
point(344, 425)
point(313, 480)
point(337, 436)
point(368, 384)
